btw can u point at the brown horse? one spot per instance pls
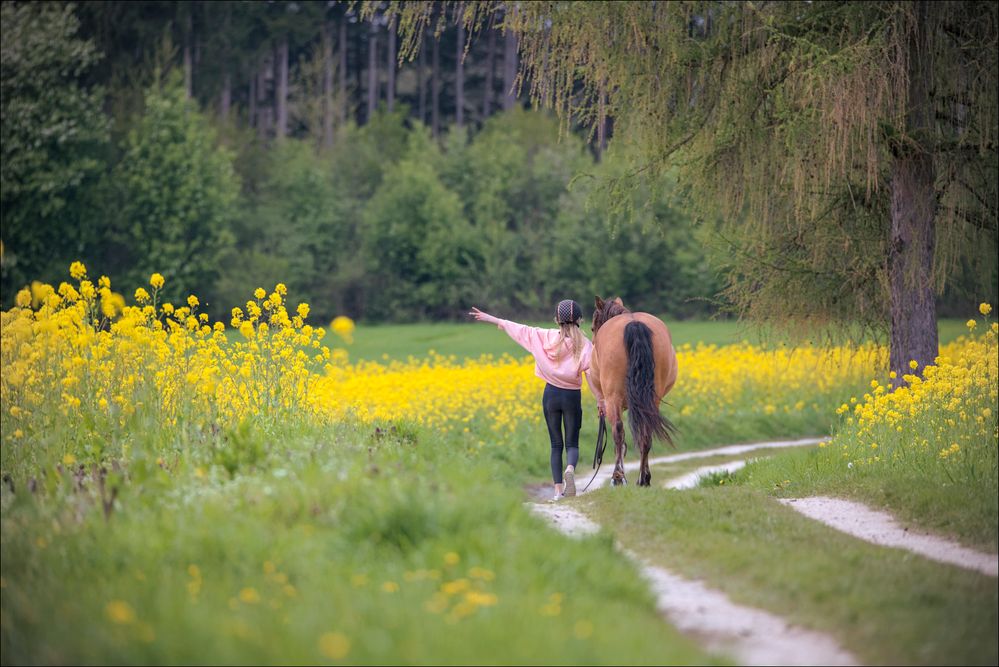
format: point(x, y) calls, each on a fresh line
point(633, 367)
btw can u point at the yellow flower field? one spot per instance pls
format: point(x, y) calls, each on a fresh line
point(714, 381)
point(951, 409)
point(78, 350)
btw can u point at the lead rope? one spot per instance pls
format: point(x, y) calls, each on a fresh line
point(598, 453)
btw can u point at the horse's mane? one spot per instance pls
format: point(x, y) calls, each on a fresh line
point(611, 308)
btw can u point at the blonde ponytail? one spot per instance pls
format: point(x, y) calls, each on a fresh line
point(569, 331)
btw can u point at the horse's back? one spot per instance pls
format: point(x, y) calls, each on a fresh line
point(613, 354)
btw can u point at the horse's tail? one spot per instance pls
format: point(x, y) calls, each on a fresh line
point(644, 417)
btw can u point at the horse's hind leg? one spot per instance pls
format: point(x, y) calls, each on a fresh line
point(619, 446)
point(645, 476)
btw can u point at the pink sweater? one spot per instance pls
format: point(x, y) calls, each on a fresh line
point(560, 370)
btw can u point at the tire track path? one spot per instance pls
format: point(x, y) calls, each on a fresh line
point(754, 636)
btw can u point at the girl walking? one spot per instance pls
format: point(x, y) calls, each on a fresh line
point(561, 356)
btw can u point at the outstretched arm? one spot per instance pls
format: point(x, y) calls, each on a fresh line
point(483, 317)
point(527, 337)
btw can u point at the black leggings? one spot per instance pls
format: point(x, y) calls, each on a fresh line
point(563, 405)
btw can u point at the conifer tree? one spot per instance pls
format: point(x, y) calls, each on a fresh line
point(849, 148)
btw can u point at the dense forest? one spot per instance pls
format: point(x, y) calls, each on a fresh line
point(228, 145)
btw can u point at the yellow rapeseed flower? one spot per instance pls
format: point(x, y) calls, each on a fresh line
point(334, 645)
point(249, 595)
point(120, 612)
point(156, 280)
point(984, 308)
point(481, 599)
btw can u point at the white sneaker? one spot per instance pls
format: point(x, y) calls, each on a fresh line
point(555, 498)
point(569, 484)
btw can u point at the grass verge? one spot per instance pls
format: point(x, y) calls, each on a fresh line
point(344, 546)
point(887, 606)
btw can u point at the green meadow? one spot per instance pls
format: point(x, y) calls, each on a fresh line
point(307, 543)
point(470, 339)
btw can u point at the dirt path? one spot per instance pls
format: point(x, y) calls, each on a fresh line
point(692, 479)
point(881, 528)
point(753, 636)
point(607, 469)
point(867, 524)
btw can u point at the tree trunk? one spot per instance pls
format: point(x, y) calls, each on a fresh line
point(225, 101)
point(601, 122)
point(421, 85)
point(459, 72)
point(509, 69)
point(913, 210)
point(253, 99)
point(487, 95)
point(264, 111)
point(225, 98)
point(343, 70)
point(327, 84)
point(372, 70)
point(435, 87)
point(282, 88)
point(359, 70)
point(390, 66)
point(188, 66)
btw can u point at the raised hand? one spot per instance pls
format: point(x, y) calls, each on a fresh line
point(481, 316)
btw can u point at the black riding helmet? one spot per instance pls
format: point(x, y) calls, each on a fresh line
point(568, 312)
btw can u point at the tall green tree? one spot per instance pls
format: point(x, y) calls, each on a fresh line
point(421, 250)
point(177, 190)
point(511, 177)
point(849, 148)
point(294, 228)
point(53, 139)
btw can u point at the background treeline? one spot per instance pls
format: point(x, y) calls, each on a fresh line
point(231, 145)
point(234, 144)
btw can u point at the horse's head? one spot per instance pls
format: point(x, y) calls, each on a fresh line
point(604, 310)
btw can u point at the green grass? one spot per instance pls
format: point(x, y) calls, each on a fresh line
point(472, 339)
point(887, 606)
point(665, 471)
point(368, 530)
point(360, 521)
point(964, 510)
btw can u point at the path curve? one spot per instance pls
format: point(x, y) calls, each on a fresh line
point(865, 523)
point(603, 476)
point(883, 529)
point(752, 636)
